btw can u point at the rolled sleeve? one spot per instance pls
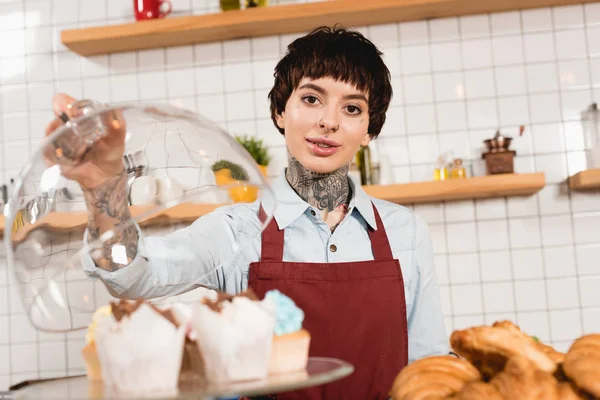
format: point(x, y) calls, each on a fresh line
point(121, 280)
point(426, 328)
point(169, 265)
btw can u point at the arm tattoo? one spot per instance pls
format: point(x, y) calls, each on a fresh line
point(326, 191)
point(108, 209)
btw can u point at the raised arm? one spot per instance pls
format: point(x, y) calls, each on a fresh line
point(100, 171)
point(141, 266)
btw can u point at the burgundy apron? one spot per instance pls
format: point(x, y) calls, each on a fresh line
point(354, 311)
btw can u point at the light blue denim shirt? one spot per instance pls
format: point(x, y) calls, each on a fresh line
point(201, 255)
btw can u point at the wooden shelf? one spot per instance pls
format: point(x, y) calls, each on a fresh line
point(408, 193)
point(460, 189)
point(274, 20)
point(64, 222)
point(585, 180)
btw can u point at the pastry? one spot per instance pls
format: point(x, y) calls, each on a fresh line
point(521, 379)
point(582, 364)
point(554, 355)
point(433, 376)
point(89, 352)
point(478, 390)
point(488, 349)
point(140, 349)
point(289, 350)
point(567, 391)
point(234, 336)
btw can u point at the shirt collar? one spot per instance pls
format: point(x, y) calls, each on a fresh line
point(290, 206)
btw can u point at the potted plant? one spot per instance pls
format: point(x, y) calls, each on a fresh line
point(235, 176)
point(258, 151)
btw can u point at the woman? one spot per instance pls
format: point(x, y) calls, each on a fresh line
point(360, 268)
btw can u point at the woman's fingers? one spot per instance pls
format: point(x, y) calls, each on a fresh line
point(61, 105)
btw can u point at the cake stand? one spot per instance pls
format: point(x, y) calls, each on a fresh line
point(319, 371)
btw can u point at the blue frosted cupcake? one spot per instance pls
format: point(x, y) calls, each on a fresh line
point(289, 351)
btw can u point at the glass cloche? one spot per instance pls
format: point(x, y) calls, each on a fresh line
point(179, 166)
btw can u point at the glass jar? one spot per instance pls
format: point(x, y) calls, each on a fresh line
point(440, 173)
point(365, 165)
point(458, 169)
point(228, 5)
point(591, 130)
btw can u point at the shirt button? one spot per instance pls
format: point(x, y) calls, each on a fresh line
point(333, 248)
point(313, 213)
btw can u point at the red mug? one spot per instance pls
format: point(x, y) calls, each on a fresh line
point(150, 9)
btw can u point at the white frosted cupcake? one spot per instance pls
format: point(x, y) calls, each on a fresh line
point(140, 350)
point(235, 336)
point(89, 353)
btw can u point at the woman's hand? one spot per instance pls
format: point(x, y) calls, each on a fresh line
point(100, 171)
point(90, 167)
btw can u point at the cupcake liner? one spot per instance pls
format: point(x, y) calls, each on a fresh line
point(92, 363)
point(235, 342)
point(141, 353)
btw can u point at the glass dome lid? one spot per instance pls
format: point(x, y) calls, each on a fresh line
point(177, 165)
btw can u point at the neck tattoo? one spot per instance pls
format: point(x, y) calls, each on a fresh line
point(325, 191)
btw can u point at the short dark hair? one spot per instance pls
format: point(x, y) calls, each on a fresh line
point(340, 54)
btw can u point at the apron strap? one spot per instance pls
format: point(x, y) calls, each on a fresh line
point(379, 240)
point(273, 239)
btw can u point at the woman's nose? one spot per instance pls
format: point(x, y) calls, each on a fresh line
point(329, 121)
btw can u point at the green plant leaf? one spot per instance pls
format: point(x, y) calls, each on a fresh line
point(237, 171)
point(256, 148)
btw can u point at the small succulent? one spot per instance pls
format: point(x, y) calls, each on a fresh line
point(237, 171)
point(256, 148)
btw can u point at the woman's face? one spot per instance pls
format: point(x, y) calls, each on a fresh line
point(325, 123)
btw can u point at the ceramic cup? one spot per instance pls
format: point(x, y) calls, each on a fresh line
point(169, 190)
point(144, 190)
point(151, 9)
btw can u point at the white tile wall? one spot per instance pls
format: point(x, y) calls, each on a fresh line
point(456, 80)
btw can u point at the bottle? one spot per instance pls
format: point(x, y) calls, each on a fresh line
point(354, 172)
point(363, 161)
point(458, 169)
point(256, 3)
point(440, 173)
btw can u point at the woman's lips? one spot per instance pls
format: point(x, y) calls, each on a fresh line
point(322, 147)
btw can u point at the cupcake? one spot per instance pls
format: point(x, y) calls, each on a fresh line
point(289, 351)
point(192, 364)
point(140, 349)
point(89, 353)
point(234, 336)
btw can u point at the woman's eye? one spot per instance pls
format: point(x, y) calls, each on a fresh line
point(353, 110)
point(310, 99)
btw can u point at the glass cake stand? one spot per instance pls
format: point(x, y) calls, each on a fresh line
point(318, 372)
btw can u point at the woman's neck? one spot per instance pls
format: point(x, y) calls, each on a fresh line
point(323, 191)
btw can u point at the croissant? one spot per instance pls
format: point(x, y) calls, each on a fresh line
point(566, 391)
point(521, 379)
point(478, 390)
point(433, 377)
point(582, 364)
point(488, 349)
point(554, 355)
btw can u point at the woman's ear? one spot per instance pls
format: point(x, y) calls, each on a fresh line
point(366, 140)
point(280, 118)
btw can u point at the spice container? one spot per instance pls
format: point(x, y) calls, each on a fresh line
point(228, 5)
point(458, 169)
point(365, 165)
point(591, 129)
point(440, 173)
point(256, 3)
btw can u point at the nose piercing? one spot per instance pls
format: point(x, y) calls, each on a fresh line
point(322, 125)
